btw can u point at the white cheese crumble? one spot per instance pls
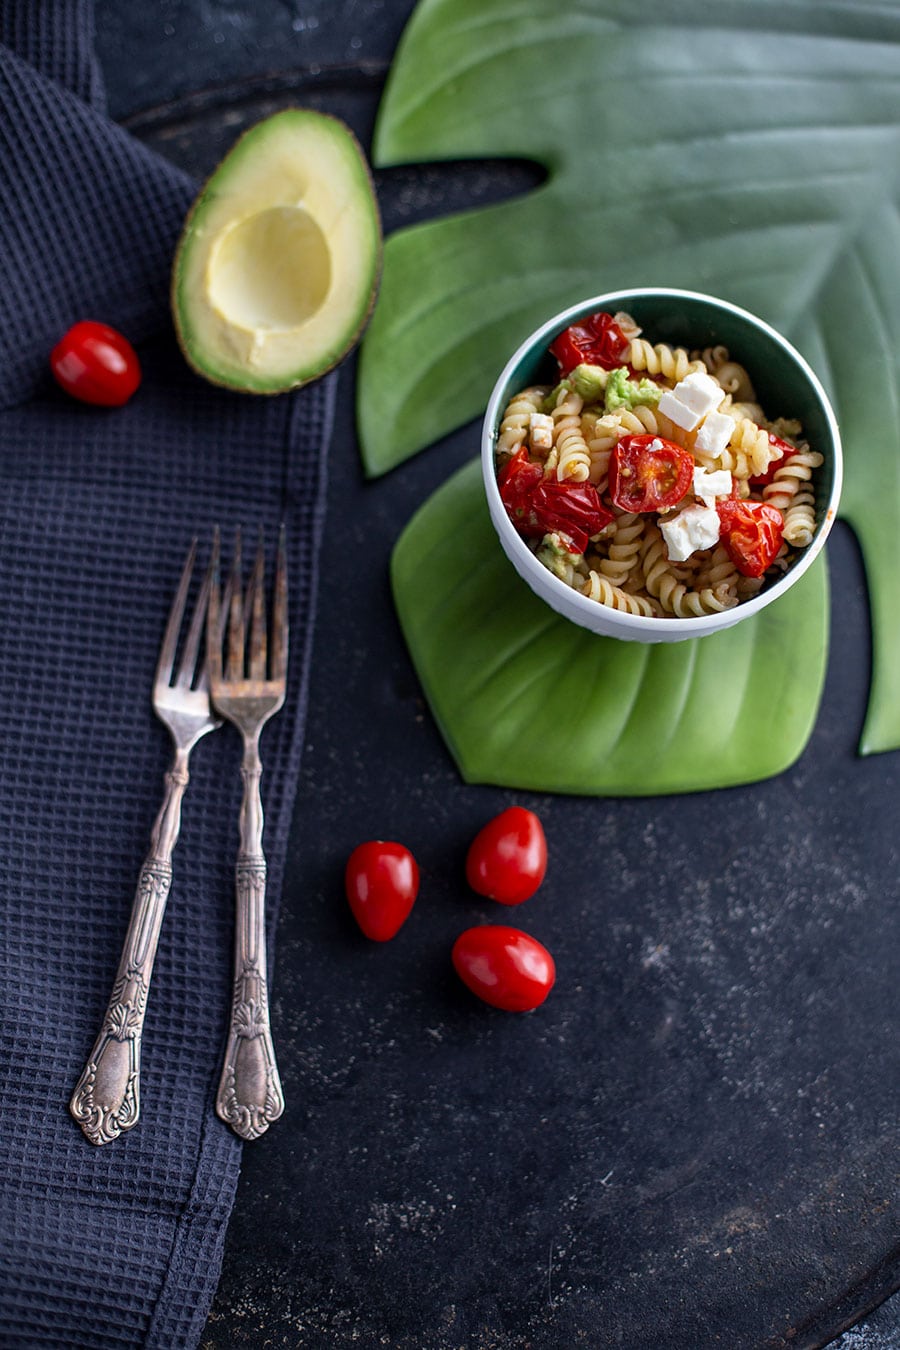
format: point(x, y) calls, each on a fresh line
point(700, 392)
point(693, 528)
point(691, 400)
point(540, 428)
point(677, 412)
point(714, 434)
point(710, 484)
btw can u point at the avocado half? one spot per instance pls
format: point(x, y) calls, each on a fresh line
point(276, 271)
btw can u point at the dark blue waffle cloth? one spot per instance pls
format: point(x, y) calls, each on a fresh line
point(120, 1245)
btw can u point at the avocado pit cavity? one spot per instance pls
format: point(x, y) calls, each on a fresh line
point(271, 271)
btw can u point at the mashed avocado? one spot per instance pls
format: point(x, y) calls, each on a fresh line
point(623, 392)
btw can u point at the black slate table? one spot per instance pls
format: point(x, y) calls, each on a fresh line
point(694, 1143)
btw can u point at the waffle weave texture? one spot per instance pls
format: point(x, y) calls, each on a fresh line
point(121, 1245)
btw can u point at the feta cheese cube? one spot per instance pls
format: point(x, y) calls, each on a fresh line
point(540, 429)
point(699, 392)
point(710, 484)
point(672, 407)
point(714, 434)
point(693, 528)
point(691, 400)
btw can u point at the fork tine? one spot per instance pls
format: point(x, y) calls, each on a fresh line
point(256, 618)
point(176, 614)
point(280, 612)
point(215, 615)
point(188, 668)
point(234, 660)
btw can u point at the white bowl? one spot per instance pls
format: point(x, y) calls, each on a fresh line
point(785, 384)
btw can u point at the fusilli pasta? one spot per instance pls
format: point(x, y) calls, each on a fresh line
point(672, 514)
point(672, 362)
point(516, 420)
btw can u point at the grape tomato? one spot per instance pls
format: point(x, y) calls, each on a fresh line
point(381, 882)
point(96, 364)
point(507, 859)
point(504, 967)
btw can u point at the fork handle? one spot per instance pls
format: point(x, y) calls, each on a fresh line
point(250, 1095)
point(107, 1099)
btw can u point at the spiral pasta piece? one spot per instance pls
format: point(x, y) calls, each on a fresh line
point(573, 461)
point(624, 548)
point(673, 595)
point(638, 420)
point(600, 442)
point(747, 587)
point(712, 357)
point(672, 362)
point(789, 476)
point(600, 588)
point(735, 381)
point(800, 518)
point(731, 375)
point(517, 418)
point(717, 571)
point(788, 428)
point(739, 410)
point(753, 451)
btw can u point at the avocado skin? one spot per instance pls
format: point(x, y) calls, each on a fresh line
point(183, 291)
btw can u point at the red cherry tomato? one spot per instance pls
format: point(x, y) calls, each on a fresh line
point(647, 473)
point(596, 341)
point(381, 881)
point(752, 534)
point(761, 479)
point(517, 480)
point(539, 506)
point(507, 859)
point(504, 967)
point(96, 364)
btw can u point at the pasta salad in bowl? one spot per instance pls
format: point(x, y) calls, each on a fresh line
point(660, 464)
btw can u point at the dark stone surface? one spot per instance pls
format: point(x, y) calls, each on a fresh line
point(694, 1143)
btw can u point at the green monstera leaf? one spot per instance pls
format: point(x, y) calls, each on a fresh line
point(750, 151)
point(531, 701)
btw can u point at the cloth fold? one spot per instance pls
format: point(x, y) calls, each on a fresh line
point(117, 1246)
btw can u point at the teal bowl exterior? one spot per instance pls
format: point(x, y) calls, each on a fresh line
point(786, 387)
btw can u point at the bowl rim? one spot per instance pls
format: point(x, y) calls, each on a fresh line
point(698, 625)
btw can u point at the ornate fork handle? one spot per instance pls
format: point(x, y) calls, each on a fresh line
point(106, 1099)
point(250, 1095)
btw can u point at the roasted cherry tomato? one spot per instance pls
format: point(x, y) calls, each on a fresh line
point(752, 534)
point(539, 506)
point(96, 364)
point(761, 479)
point(381, 880)
point(517, 480)
point(507, 859)
point(572, 509)
point(647, 473)
point(504, 967)
point(596, 341)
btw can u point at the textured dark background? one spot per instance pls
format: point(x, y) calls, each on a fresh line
point(694, 1143)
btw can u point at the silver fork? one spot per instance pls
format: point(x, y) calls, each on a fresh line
point(106, 1099)
point(249, 690)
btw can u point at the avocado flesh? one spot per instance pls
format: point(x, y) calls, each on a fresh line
point(277, 268)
